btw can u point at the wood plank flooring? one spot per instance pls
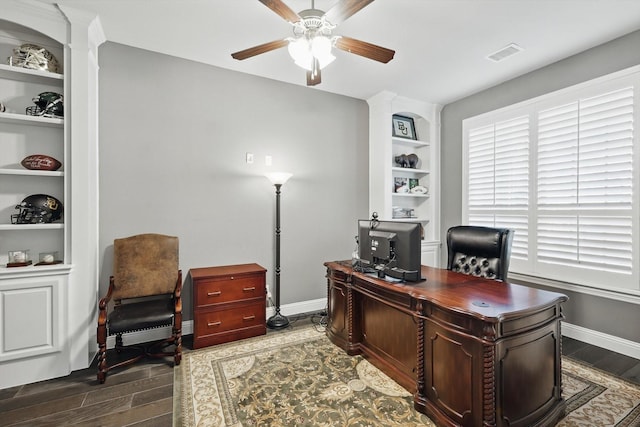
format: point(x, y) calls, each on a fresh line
point(141, 395)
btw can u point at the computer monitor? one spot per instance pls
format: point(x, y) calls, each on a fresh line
point(391, 248)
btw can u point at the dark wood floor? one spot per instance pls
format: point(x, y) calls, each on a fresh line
point(142, 394)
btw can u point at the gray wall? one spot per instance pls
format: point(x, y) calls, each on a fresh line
point(582, 310)
point(173, 138)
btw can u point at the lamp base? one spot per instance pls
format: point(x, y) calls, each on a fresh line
point(277, 321)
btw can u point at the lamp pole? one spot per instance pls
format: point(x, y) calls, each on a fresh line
point(278, 321)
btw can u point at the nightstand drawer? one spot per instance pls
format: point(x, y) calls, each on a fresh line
point(229, 324)
point(217, 291)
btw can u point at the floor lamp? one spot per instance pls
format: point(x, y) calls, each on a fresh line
point(278, 321)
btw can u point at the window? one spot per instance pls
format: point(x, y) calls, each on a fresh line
point(561, 171)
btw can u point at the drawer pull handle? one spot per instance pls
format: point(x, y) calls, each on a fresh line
point(218, 323)
point(251, 289)
point(249, 317)
point(214, 294)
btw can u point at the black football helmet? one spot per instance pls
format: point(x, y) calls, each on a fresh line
point(38, 209)
point(48, 104)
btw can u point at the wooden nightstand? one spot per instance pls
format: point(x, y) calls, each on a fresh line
point(229, 303)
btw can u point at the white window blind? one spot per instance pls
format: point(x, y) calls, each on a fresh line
point(559, 170)
point(498, 178)
point(585, 176)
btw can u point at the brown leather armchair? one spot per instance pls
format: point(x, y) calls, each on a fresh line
point(479, 251)
point(144, 293)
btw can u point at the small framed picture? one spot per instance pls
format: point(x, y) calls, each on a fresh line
point(400, 185)
point(403, 127)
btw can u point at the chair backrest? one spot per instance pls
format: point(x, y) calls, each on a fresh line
point(479, 251)
point(144, 265)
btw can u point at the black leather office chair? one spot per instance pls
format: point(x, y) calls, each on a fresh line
point(479, 251)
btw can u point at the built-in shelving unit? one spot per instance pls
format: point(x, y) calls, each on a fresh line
point(391, 184)
point(48, 311)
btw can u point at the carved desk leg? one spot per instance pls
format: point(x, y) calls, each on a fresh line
point(420, 357)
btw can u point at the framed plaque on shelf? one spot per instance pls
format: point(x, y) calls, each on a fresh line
point(403, 127)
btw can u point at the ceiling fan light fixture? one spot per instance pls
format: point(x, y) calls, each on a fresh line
point(303, 51)
point(300, 52)
point(321, 50)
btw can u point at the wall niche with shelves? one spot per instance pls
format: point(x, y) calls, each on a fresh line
point(24, 135)
point(404, 176)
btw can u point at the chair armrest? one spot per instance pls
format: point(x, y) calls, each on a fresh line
point(177, 293)
point(102, 306)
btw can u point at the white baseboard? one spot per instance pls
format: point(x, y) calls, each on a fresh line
point(599, 339)
point(187, 326)
point(300, 307)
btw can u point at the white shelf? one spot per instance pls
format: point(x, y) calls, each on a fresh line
point(28, 172)
point(412, 219)
point(16, 227)
point(30, 120)
point(409, 142)
point(32, 76)
point(410, 171)
point(34, 270)
point(410, 195)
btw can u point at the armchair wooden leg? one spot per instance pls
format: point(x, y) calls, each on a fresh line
point(177, 356)
point(102, 354)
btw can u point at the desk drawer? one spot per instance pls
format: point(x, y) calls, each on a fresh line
point(228, 289)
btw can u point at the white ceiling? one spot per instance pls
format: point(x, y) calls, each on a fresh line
point(441, 45)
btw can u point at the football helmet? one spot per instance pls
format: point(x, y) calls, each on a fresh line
point(48, 104)
point(38, 209)
point(34, 57)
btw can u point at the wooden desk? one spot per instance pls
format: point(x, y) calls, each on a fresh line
point(474, 352)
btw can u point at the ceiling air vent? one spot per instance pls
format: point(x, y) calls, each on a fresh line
point(505, 52)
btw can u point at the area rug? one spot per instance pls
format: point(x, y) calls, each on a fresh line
point(299, 378)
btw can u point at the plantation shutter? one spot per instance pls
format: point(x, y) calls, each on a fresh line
point(498, 178)
point(584, 186)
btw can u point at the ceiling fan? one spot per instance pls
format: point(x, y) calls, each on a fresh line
point(312, 40)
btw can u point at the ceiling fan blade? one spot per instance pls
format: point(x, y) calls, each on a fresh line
point(344, 9)
point(313, 76)
point(368, 50)
point(281, 9)
point(257, 50)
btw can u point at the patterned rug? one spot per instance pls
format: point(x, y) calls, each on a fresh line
point(298, 378)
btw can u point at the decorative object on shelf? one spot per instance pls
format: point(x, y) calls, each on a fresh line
point(407, 160)
point(312, 41)
point(278, 321)
point(400, 185)
point(403, 127)
point(38, 209)
point(48, 104)
point(413, 182)
point(48, 258)
point(419, 189)
point(33, 57)
point(41, 162)
point(413, 160)
point(402, 160)
point(19, 258)
point(399, 213)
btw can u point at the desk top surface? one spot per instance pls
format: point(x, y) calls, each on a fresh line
point(485, 298)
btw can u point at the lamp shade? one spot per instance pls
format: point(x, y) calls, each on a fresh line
point(304, 50)
point(278, 178)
